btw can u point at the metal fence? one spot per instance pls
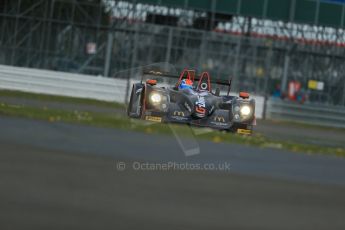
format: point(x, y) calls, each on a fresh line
point(323, 115)
point(85, 37)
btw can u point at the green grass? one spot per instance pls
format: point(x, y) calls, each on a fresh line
point(84, 101)
point(63, 99)
point(110, 121)
point(53, 115)
point(264, 142)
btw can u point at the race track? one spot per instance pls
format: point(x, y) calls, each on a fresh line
point(63, 176)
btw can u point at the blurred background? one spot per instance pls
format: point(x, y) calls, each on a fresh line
point(288, 54)
point(288, 49)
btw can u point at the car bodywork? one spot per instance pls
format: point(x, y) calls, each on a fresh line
point(200, 106)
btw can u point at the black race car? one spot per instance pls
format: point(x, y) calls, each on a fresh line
point(200, 106)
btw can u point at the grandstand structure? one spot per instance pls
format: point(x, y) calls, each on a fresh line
point(259, 43)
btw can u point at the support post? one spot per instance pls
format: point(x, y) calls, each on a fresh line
point(133, 61)
point(343, 99)
point(267, 76)
point(14, 47)
point(285, 72)
point(201, 60)
point(235, 72)
point(169, 44)
point(108, 53)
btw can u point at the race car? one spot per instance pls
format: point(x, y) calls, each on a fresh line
point(191, 101)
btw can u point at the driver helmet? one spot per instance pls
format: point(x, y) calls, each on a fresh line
point(186, 84)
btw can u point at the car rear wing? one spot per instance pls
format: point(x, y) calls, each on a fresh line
point(192, 76)
point(158, 74)
point(226, 83)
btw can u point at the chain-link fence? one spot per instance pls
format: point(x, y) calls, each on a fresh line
point(93, 37)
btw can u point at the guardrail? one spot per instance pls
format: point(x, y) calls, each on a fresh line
point(73, 85)
point(60, 83)
point(325, 115)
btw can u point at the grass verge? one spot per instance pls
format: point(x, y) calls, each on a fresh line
point(110, 121)
point(63, 99)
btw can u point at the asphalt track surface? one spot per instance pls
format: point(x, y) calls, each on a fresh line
point(63, 176)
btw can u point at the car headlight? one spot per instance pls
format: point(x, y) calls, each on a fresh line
point(245, 110)
point(155, 98)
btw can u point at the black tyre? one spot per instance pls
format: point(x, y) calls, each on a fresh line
point(134, 108)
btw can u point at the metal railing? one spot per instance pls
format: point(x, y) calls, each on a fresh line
point(63, 84)
point(324, 115)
